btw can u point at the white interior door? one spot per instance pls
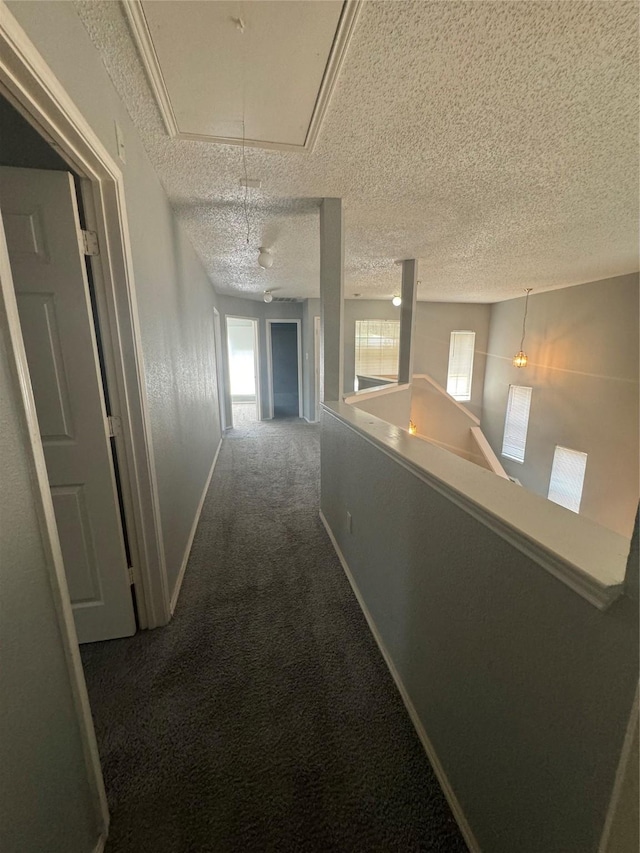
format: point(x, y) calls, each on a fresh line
point(40, 216)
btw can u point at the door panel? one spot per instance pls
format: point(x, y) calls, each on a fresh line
point(284, 369)
point(40, 214)
point(46, 364)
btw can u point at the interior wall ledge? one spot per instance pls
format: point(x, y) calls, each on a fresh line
point(589, 559)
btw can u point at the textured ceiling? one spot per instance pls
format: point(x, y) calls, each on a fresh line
point(495, 141)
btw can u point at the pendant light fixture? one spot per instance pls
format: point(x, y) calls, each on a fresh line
point(267, 296)
point(396, 301)
point(265, 258)
point(520, 358)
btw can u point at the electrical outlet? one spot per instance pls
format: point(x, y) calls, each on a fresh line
point(349, 522)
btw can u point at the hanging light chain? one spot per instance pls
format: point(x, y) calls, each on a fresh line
point(524, 319)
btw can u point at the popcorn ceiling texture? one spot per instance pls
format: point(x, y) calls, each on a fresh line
point(495, 141)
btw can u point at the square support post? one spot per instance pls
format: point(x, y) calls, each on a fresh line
point(331, 300)
point(407, 320)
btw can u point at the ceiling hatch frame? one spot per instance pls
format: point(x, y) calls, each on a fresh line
point(144, 42)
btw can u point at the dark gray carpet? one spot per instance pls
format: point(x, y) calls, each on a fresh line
point(263, 717)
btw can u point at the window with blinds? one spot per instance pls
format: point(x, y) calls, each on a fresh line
point(377, 347)
point(567, 477)
point(460, 371)
point(516, 422)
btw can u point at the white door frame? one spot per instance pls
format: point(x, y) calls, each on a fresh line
point(28, 83)
point(317, 346)
point(298, 323)
point(256, 359)
point(32, 88)
point(217, 333)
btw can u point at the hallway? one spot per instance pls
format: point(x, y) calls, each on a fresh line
point(263, 717)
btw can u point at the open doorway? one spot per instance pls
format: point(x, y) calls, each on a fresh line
point(43, 214)
point(244, 385)
point(284, 368)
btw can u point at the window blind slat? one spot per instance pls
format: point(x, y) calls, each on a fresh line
point(567, 477)
point(460, 372)
point(516, 422)
point(377, 347)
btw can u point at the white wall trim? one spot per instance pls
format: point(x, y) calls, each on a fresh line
point(270, 321)
point(144, 42)
point(620, 776)
point(309, 421)
point(102, 841)
point(30, 85)
point(487, 452)
point(355, 397)
point(586, 557)
point(192, 533)
point(438, 769)
point(445, 393)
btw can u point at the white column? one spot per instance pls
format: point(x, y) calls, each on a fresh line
point(407, 319)
point(331, 299)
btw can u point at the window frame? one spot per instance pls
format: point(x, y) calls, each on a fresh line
point(575, 507)
point(359, 337)
point(455, 378)
point(509, 409)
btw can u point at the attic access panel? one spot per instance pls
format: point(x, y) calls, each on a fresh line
point(262, 72)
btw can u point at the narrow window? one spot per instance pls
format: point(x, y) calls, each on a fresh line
point(567, 477)
point(516, 422)
point(377, 348)
point(460, 372)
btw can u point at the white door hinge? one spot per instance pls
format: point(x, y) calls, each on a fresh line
point(115, 425)
point(90, 243)
point(130, 576)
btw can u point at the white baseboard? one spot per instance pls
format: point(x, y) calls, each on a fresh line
point(310, 422)
point(99, 848)
point(187, 552)
point(455, 806)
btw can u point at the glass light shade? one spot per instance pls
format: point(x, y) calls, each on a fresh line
point(396, 301)
point(520, 360)
point(267, 296)
point(265, 258)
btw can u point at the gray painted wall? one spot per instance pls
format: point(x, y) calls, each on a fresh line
point(523, 687)
point(582, 344)
point(175, 298)
point(434, 323)
point(45, 800)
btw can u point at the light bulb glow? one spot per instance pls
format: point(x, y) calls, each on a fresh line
point(396, 301)
point(413, 429)
point(520, 359)
point(265, 258)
